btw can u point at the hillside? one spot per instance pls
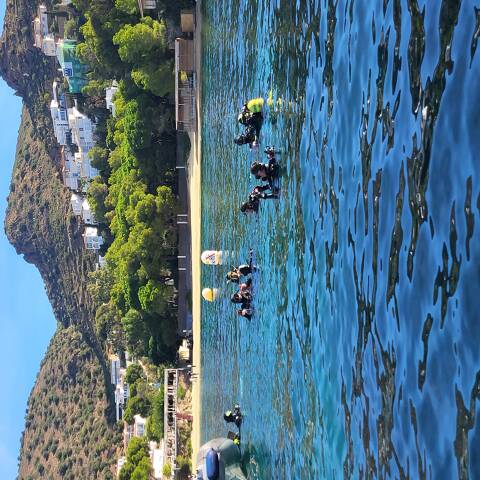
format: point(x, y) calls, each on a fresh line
point(66, 432)
point(70, 390)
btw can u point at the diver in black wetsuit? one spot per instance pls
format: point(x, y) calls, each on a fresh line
point(253, 122)
point(253, 203)
point(236, 273)
point(267, 172)
point(249, 137)
point(235, 417)
point(244, 294)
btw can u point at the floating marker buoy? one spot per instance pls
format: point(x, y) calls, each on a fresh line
point(210, 294)
point(212, 257)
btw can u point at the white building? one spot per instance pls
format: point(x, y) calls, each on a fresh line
point(76, 202)
point(114, 369)
point(109, 97)
point(91, 239)
point(59, 115)
point(157, 458)
point(122, 394)
point(139, 426)
point(43, 38)
point(136, 430)
point(82, 129)
point(87, 215)
point(87, 172)
point(70, 170)
point(49, 46)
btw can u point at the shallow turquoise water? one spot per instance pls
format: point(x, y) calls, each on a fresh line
point(362, 360)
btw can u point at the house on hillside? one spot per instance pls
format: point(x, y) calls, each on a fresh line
point(91, 239)
point(70, 170)
point(58, 111)
point(82, 129)
point(87, 215)
point(44, 39)
point(138, 429)
point(76, 204)
point(139, 426)
point(71, 66)
point(87, 172)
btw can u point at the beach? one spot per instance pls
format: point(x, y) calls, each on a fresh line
point(194, 185)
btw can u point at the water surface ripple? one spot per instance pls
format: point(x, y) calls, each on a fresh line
point(362, 360)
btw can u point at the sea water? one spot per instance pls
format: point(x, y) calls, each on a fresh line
point(362, 359)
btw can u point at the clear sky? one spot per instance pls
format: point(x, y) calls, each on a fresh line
point(26, 318)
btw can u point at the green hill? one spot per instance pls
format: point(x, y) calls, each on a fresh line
point(69, 429)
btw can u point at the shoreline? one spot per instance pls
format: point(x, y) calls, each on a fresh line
point(195, 194)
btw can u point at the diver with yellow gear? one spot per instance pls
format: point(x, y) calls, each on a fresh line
point(234, 416)
point(251, 117)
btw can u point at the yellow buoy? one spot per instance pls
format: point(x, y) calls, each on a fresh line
point(210, 294)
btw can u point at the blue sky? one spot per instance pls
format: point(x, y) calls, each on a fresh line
point(26, 318)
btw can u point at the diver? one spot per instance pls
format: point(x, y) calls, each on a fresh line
point(251, 117)
point(236, 273)
point(243, 299)
point(249, 137)
point(244, 294)
point(234, 416)
point(267, 172)
point(245, 313)
point(253, 203)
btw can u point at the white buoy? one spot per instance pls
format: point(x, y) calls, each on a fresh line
point(212, 257)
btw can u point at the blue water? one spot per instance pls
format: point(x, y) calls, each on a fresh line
point(362, 359)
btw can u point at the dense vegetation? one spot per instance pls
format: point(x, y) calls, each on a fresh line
point(67, 435)
point(138, 465)
point(147, 401)
point(134, 196)
point(69, 429)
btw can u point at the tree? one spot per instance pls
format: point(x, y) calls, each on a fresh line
point(135, 330)
point(136, 406)
point(107, 322)
point(142, 43)
point(100, 285)
point(97, 194)
point(128, 6)
point(133, 373)
point(136, 462)
point(71, 29)
point(142, 470)
point(158, 79)
point(155, 423)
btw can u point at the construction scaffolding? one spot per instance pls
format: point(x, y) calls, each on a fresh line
point(170, 416)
